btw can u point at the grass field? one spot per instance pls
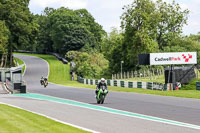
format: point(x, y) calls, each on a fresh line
point(157, 79)
point(14, 120)
point(20, 62)
point(59, 74)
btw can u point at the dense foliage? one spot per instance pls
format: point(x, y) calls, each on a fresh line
point(92, 65)
point(146, 26)
point(4, 32)
point(18, 20)
point(64, 29)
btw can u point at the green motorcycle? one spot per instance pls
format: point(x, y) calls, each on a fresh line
point(101, 95)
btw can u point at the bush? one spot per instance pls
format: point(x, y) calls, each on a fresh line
point(190, 86)
point(87, 65)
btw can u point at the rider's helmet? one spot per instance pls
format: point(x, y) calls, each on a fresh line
point(102, 80)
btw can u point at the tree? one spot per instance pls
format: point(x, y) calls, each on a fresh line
point(185, 44)
point(171, 21)
point(64, 29)
point(149, 26)
point(44, 41)
point(4, 33)
point(96, 31)
point(195, 37)
point(139, 22)
point(111, 47)
point(18, 19)
point(67, 32)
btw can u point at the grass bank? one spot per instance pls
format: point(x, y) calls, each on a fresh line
point(20, 62)
point(14, 120)
point(157, 79)
point(59, 74)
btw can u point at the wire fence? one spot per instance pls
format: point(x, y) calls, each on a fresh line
point(150, 74)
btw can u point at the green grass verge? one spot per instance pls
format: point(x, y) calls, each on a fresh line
point(14, 120)
point(157, 79)
point(20, 63)
point(190, 86)
point(59, 74)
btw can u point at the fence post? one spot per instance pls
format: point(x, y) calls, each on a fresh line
point(150, 75)
point(153, 73)
point(160, 72)
point(140, 74)
point(128, 75)
point(131, 74)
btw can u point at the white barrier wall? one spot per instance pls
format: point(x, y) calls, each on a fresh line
point(111, 83)
point(134, 84)
point(118, 83)
point(144, 85)
point(126, 84)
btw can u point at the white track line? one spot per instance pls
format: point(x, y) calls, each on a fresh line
point(79, 127)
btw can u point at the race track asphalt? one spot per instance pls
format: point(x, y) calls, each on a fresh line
point(173, 108)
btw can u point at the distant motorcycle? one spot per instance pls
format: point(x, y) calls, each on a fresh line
point(101, 95)
point(45, 83)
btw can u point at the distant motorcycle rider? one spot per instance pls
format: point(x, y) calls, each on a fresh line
point(45, 82)
point(42, 80)
point(100, 84)
point(45, 79)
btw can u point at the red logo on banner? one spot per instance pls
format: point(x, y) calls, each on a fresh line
point(187, 58)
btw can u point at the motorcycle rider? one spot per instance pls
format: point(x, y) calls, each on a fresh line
point(45, 79)
point(100, 84)
point(42, 80)
point(45, 82)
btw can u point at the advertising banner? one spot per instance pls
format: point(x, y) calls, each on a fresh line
point(173, 58)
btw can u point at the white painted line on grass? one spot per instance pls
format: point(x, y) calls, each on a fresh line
point(79, 127)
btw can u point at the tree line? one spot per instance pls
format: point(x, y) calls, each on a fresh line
point(146, 26)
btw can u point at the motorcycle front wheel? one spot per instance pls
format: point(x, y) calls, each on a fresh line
point(102, 99)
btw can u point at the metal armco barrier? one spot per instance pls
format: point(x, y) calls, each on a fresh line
point(198, 85)
point(150, 85)
point(122, 84)
point(115, 82)
point(108, 82)
point(96, 82)
point(130, 84)
point(91, 81)
point(139, 84)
